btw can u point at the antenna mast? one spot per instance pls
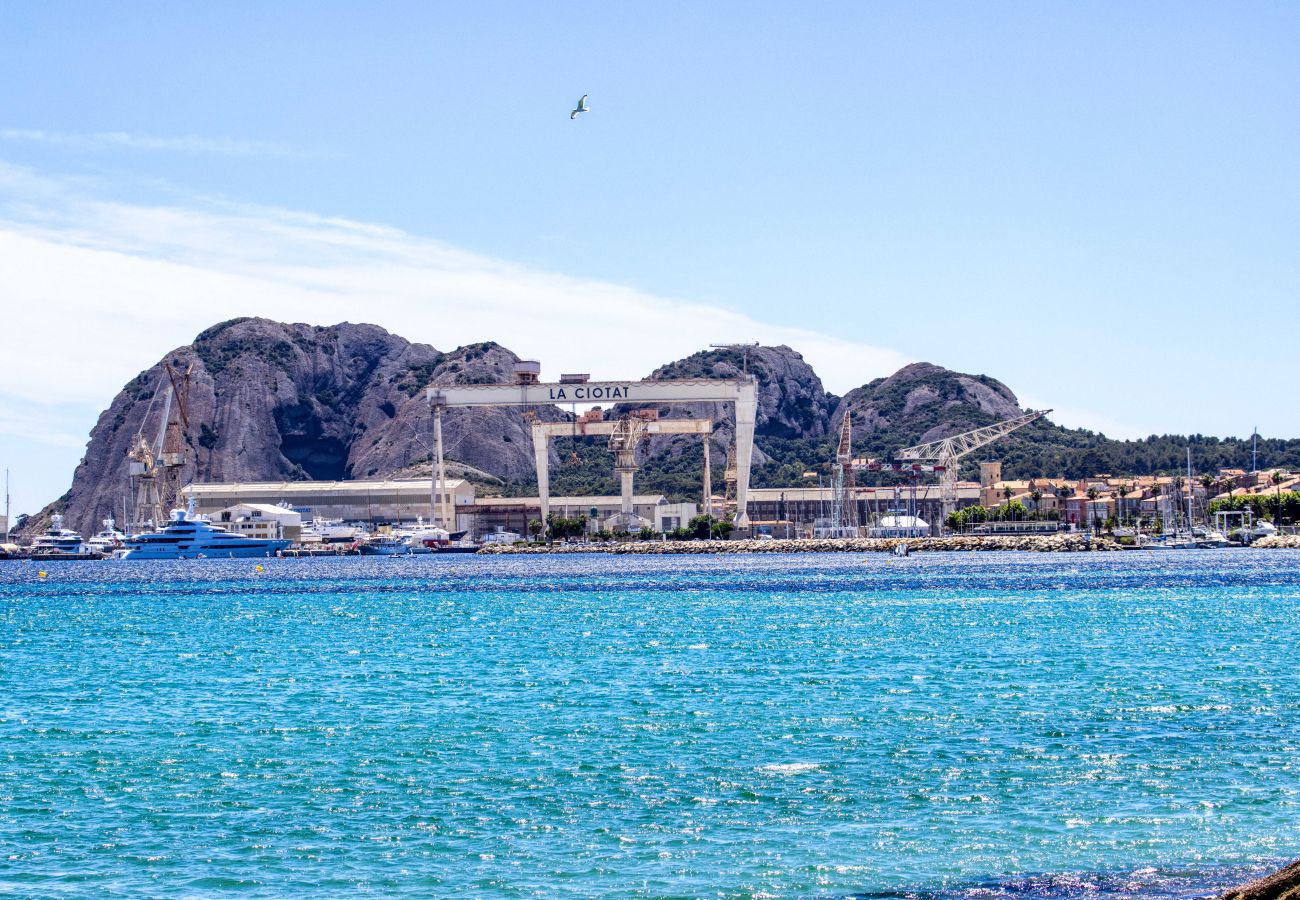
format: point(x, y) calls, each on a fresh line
point(744, 353)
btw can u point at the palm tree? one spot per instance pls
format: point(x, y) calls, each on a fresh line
point(1093, 493)
point(1277, 486)
point(1207, 482)
point(1036, 495)
point(1123, 490)
point(1063, 491)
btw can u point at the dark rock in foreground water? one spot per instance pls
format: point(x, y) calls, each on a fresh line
point(1283, 884)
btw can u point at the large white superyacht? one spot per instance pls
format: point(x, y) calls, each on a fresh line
point(189, 536)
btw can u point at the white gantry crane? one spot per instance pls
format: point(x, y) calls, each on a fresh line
point(947, 453)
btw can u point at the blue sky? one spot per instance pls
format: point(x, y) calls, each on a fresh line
point(1095, 203)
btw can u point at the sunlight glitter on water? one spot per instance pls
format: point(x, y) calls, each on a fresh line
point(976, 725)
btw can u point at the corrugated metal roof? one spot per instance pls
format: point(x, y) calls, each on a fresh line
point(315, 487)
point(637, 500)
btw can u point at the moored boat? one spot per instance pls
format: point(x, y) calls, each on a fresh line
point(58, 542)
point(385, 545)
point(188, 536)
point(107, 540)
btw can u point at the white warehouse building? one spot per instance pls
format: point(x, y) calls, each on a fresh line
point(372, 502)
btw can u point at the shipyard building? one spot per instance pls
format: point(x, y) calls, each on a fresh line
point(782, 512)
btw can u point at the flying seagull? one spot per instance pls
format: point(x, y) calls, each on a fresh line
point(581, 107)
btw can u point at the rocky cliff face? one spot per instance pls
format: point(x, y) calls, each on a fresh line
point(271, 401)
point(791, 400)
point(924, 402)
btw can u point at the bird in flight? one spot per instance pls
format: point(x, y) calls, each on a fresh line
point(581, 107)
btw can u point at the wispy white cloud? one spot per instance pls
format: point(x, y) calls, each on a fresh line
point(189, 143)
point(94, 291)
point(109, 287)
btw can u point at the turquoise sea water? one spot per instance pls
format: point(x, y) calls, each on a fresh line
point(964, 725)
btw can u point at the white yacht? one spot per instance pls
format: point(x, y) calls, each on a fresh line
point(329, 531)
point(60, 543)
point(188, 536)
point(427, 535)
point(109, 539)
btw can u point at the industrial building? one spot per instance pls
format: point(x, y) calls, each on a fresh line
point(370, 502)
point(261, 520)
point(781, 512)
point(514, 513)
point(254, 507)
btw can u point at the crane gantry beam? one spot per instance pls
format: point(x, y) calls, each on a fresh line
point(741, 392)
point(625, 434)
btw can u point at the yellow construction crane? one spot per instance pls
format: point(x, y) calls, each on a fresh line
point(156, 469)
point(175, 453)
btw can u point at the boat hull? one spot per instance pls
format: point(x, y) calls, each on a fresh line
point(261, 552)
point(384, 550)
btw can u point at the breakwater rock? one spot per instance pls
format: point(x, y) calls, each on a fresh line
point(1055, 543)
point(1283, 884)
point(1279, 542)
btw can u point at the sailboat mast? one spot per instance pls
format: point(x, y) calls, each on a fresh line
point(6, 506)
point(1189, 488)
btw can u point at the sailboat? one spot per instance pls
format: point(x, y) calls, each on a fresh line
point(1191, 537)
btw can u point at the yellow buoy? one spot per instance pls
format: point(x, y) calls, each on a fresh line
point(42, 574)
point(259, 568)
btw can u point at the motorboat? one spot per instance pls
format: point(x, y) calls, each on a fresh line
point(1212, 540)
point(386, 545)
point(190, 536)
point(328, 531)
point(58, 542)
point(428, 535)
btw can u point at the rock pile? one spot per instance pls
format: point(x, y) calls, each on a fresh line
point(1279, 542)
point(1055, 543)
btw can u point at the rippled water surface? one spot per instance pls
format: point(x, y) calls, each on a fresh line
point(819, 725)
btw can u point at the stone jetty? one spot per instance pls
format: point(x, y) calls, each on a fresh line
point(1054, 543)
point(1278, 542)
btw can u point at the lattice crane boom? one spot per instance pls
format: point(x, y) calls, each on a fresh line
point(948, 451)
point(959, 445)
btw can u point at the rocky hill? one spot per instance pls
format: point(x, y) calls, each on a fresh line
point(271, 401)
point(923, 402)
point(791, 400)
point(792, 404)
